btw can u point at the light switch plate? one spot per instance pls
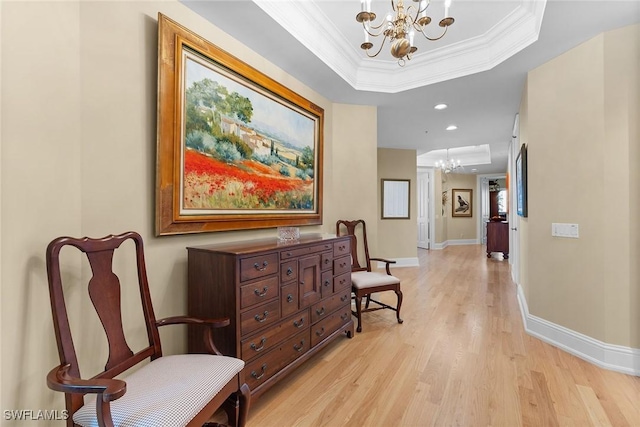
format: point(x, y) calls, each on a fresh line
point(565, 230)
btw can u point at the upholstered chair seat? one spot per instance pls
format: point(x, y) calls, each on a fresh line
point(372, 279)
point(165, 392)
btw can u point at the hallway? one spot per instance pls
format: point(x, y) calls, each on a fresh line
point(460, 358)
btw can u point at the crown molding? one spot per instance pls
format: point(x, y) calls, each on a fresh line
point(305, 21)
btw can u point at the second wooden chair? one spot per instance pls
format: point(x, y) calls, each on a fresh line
point(364, 281)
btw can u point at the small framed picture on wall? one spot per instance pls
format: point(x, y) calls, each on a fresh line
point(462, 203)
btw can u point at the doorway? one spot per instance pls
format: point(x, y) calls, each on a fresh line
point(493, 201)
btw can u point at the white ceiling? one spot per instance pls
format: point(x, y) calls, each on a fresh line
point(478, 68)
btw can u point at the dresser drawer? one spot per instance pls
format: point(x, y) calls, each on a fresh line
point(254, 319)
point(341, 248)
point(296, 252)
point(258, 292)
point(330, 324)
point(326, 260)
point(289, 299)
point(288, 271)
point(262, 342)
point(341, 265)
point(325, 307)
point(270, 363)
point(326, 283)
point(341, 282)
point(258, 266)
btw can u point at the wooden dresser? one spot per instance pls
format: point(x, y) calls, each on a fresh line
point(498, 238)
point(285, 301)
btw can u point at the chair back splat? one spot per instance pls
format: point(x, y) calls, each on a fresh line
point(213, 380)
point(364, 281)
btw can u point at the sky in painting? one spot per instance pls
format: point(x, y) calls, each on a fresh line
point(298, 128)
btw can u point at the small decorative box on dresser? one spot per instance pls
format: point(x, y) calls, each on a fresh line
point(285, 301)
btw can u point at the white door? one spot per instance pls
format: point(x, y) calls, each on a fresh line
point(423, 210)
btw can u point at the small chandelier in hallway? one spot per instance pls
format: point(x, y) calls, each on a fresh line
point(449, 165)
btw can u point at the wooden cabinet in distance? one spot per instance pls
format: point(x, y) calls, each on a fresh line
point(498, 238)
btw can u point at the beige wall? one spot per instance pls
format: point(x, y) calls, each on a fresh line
point(449, 228)
point(78, 158)
point(354, 168)
point(581, 128)
point(397, 238)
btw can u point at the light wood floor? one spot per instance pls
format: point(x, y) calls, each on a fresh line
point(461, 358)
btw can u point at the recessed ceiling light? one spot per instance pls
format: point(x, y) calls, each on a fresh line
point(440, 106)
point(452, 127)
point(474, 170)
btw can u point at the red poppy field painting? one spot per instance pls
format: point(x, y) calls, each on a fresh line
point(236, 149)
point(243, 149)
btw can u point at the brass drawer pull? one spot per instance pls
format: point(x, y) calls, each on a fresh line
point(320, 312)
point(262, 341)
point(344, 316)
point(289, 271)
point(327, 282)
point(320, 332)
point(255, 375)
point(343, 281)
point(264, 316)
point(344, 298)
point(327, 261)
point(263, 268)
point(261, 294)
point(289, 298)
point(343, 264)
point(299, 324)
point(300, 347)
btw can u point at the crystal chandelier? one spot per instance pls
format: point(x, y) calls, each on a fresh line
point(401, 29)
point(449, 165)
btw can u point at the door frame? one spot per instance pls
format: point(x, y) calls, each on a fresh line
point(430, 203)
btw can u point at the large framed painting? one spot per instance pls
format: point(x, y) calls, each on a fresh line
point(236, 149)
point(521, 181)
point(462, 203)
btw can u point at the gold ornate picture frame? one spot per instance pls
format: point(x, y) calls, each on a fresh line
point(236, 150)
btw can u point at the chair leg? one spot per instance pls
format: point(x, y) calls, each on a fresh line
point(231, 407)
point(399, 294)
point(366, 304)
point(237, 406)
point(359, 312)
point(245, 402)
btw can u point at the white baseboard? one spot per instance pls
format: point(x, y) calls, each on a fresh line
point(608, 356)
point(455, 242)
point(401, 262)
point(439, 246)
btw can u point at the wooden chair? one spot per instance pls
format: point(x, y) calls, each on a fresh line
point(365, 282)
point(177, 390)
